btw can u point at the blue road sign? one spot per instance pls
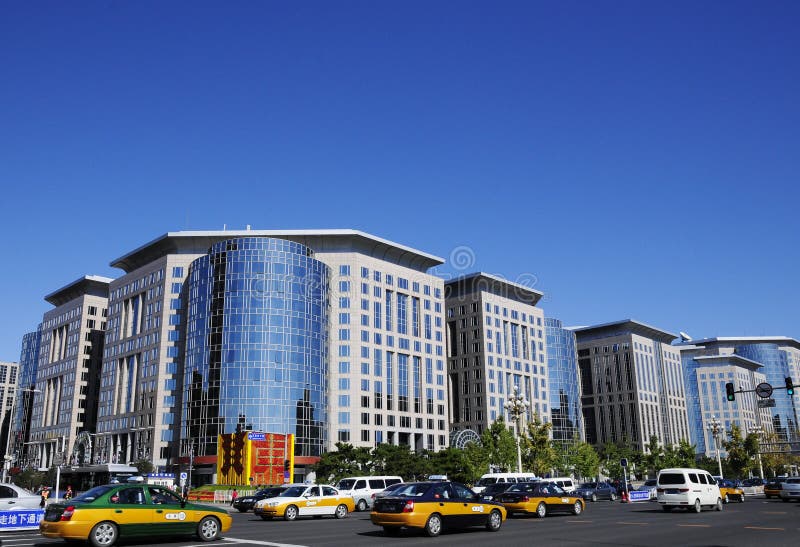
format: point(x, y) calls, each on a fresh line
point(639, 495)
point(253, 436)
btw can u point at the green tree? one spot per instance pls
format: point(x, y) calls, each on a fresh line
point(30, 478)
point(389, 459)
point(345, 461)
point(477, 458)
point(144, 467)
point(681, 455)
point(611, 455)
point(453, 463)
point(538, 453)
point(500, 446)
point(654, 458)
point(740, 452)
point(585, 460)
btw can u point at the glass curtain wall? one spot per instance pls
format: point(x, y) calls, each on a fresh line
point(256, 344)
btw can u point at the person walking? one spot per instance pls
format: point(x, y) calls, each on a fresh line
point(234, 495)
point(68, 493)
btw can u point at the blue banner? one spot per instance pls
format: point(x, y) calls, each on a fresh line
point(639, 495)
point(20, 519)
point(257, 436)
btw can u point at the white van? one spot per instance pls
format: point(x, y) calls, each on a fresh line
point(362, 488)
point(689, 488)
point(494, 478)
point(567, 484)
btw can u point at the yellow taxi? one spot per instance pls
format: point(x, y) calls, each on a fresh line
point(772, 489)
point(435, 506)
point(300, 500)
point(729, 491)
point(540, 499)
point(111, 512)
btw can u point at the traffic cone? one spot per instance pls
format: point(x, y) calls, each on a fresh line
point(624, 496)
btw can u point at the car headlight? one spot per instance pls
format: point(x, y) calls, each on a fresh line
point(273, 504)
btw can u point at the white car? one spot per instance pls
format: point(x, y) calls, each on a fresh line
point(299, 500)
point(691, 489)
point(790, 489)
point(651, 486)
point(14, 497)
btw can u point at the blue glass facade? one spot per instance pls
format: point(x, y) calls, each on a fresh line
point(256, 344)
point(28, 365)
point(564, 390)
point(775, 368)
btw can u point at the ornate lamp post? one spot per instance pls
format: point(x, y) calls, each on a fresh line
point(516, 405)
point(757, 431)
point(714, 427)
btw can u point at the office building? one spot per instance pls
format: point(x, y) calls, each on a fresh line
point(8, 390)
point(26, 389)
point(67, 372)
point(746, 362)
point(632, 385)
point(341, 331)
point(564, 382)
point(496, 343)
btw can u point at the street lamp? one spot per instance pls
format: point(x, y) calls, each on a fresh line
point(8, 456)
point(757, 431)
point(714, 428)
point(516, 405)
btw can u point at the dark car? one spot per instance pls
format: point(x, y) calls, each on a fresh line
point(435, 506)
point(755, 481)
point(596, 491)
point(245, 503)
point(387, 491)
point(491, 492)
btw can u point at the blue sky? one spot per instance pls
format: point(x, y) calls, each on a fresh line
point(638, 159)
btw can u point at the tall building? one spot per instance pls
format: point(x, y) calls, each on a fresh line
point(632, 384)
point(744, 361)
point(26, 389)
point(331, 335)
point(496, 342)
point(8, 389)
point(67, 372)
point(565, 388)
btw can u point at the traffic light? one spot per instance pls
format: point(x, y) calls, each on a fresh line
point(730, 392)
point(789, 386)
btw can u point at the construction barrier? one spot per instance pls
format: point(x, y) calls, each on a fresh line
point(20, 519)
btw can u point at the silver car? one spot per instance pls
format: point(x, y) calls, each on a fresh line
point(651, 486)
point(14, 497)
point(790, 489)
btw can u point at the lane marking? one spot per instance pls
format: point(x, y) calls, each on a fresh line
point(237, 541)
point(634, 523)
point(773, 512)
point(695, 525)
point(582, 521)
point(764, 528)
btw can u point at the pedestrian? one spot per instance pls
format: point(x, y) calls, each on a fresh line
point(68, 493)
point(45, 493)
point(234, 495)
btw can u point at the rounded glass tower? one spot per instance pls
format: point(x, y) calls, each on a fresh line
point(256, 344)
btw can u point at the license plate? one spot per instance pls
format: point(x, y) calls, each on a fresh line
point(672, 491)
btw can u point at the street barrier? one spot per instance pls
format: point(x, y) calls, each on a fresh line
point(638, 495)
point(20, 519)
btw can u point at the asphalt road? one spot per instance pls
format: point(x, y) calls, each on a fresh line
point(756, 522)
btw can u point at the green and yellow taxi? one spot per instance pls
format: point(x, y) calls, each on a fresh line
point(540, 499)
point(111, 512)
point(300, 500)
point(729, 491)
point(434, 507)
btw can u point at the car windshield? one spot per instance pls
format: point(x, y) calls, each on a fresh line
point(346, 484)
point(94, 493)
point(589, 485)
point(650, 482)
point(486, 481)
point(269, 492)
point(413, 490)
point(671, 478)
point(292, 492)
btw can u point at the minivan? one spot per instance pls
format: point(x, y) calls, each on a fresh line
point(566, 483)
point(493, 478)
point(689, 488)
point(362, 488)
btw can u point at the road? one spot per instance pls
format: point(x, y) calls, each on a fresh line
point(756, 522)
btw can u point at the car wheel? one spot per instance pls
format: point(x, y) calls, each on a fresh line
point(727, 499)
point(697, 507)
point(208, 529)
point(495, 521)
point(594, 497)
point(667, 508)
point(577, 508)
point(266, 517)
point(741, 498)
point(362, 505)
point(103, 534)
point(612, 496)
point(242, 510)
point(785, 500)
point(391, 530)
point(541, 510)
point(341, 511)
point(434, 525)
point(719, 505)
point(290, 513)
